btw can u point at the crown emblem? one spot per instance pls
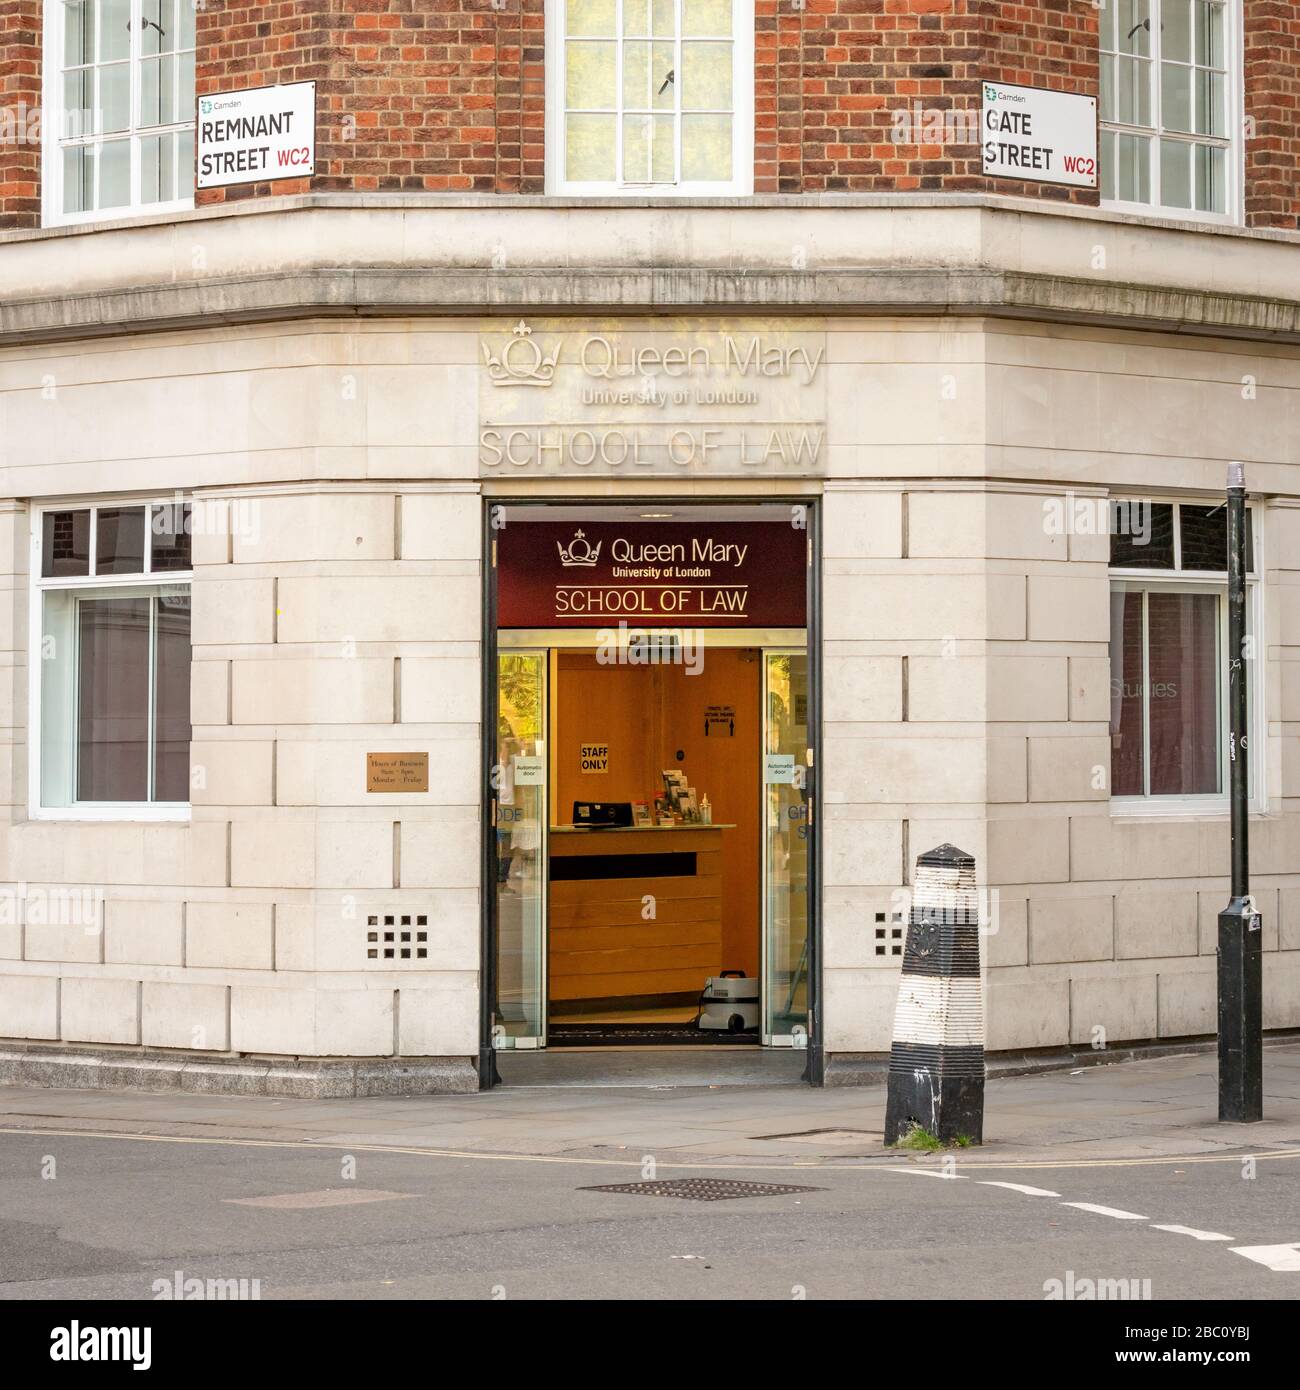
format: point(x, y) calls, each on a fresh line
point(521, 362)
point(580, 554)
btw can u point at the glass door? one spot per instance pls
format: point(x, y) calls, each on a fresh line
point(519, 782)
point(786, 798)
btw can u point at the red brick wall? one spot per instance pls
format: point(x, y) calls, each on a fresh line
point(423, 95)
point(449, 95)
point(20, 100)
point(1272, 68)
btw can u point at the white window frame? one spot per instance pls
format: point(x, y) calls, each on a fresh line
point(1235, 161)
point(52, 147)
point(741, 184)
point(149, 811)
point(1179, 580)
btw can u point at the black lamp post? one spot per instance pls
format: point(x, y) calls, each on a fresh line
point(1241, 1059)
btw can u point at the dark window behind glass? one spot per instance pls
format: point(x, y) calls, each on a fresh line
point(65, 544)
point(1183, 687)
point(171, 537)
point(1126, 694)
point(1141, 534)
point(1203, 532)
point(113, 700)
point(172, 699)
point(119, 540)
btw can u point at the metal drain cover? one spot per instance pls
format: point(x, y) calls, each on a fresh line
point(702, 1189)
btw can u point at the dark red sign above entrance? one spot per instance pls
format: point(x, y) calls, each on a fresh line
point(696, 574)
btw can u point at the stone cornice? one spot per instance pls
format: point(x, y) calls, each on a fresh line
point(950, 258)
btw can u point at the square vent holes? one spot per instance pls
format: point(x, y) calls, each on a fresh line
point(889, 940)
point(394, 936)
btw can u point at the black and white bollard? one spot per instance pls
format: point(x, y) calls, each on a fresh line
point(936, 1062)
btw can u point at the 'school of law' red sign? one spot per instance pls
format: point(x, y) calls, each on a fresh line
point(697, 574)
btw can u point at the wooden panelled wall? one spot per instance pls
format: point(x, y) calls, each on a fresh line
point(647, 714)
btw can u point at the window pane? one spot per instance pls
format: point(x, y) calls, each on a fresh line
point(114, 29)
point(1134, 26)
point(590, 17)
point(171, 526)
point(1108, 164)
point(1211, 178)
point(119, 540)
point(1141, 534)
point(1176, 96)
point(1175, 174)
point(185, 163)
point(1210, 119)
point(1176, 30)
point(1126, 694)
point(589, 149)
point(65, 544)
point(1183, 688)
point(648, 155)
point(172, 697)
point(1203, 532)
point(707, 17)
point(706, 147)
point(114, 98)
point(78, 33)
point(187, 13)
point(115, 174)
point(78, 178)
point(158, 34)
point(1209, 34)
point(648, 76)
point(113, 700)
point(1134, 170)
point(663, 18)
point(706, 76)
point(590, 70)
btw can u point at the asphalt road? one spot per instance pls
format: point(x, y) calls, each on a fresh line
point(90, 1217)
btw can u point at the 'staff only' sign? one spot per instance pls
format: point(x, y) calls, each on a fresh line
point(255, 135)
point(1029, 133)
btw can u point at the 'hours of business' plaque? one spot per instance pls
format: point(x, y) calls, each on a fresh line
point(397, 772)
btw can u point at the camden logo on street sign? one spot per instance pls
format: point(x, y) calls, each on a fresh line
point(1031, 133)
point(258, 134)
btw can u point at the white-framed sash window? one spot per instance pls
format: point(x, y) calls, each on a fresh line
point(1168, 668)
point(650, 97)
point(110, 661)
point(118, 108)
point(1170, 108)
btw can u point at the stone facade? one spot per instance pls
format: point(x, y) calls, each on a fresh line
point(965, 648)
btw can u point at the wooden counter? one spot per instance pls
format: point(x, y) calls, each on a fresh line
point(601, 947)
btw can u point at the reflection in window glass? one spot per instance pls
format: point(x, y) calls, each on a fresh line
point(1183, 694)
point(65, 544)
point(1127, 769)
point(119, 540)
point(113, 699)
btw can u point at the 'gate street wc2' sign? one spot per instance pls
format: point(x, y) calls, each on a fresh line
point(1029, 133)
point(255, 135)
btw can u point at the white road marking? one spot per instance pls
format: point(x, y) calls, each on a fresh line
point(1283, 1259)
point(1019, 1187)
point(1106, 1211)
point(927, 1173)
point(1193, 1232)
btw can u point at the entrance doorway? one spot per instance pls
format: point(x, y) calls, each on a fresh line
point(652, 800)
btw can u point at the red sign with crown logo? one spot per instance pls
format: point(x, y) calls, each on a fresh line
point(661, 574)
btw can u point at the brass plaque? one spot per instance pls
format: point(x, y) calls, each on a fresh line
point(397, 772)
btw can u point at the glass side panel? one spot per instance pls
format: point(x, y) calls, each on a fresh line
point(785, 846)
point(520, 779)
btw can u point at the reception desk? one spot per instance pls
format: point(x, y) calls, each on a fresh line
point(601, 945)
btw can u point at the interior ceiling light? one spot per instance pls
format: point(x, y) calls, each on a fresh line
point(655, 516)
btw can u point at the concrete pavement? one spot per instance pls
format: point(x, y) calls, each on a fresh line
point(1154, 1108)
